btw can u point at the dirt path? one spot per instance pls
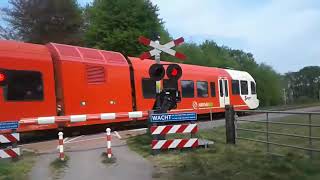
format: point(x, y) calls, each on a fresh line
point(87, 164)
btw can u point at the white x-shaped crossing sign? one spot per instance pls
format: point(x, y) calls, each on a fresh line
point(158, 48)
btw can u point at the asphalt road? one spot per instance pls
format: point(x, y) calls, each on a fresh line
point(85, 154)
point(86, 160)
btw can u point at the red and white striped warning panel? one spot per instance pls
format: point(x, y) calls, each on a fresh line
point(172, 129)
point(9, 153)
point(158, 48)
point(9, 138)
point(175, 143)
point(83, 117)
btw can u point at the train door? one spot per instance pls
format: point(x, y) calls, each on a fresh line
point(224, 97)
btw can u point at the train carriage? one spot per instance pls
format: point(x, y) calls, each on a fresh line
point(57, 80)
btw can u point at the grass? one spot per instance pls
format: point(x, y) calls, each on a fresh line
point(106, 160)
point(17, 169)
point(58, 164)
point(290, 106)
point(244, 161)
point(58, 167)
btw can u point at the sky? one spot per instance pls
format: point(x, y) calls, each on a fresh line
point(284, 34)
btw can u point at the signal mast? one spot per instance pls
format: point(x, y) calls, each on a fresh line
point(166, 99)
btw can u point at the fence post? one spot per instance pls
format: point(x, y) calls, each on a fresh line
point(230, 126)
point(310, 136)
point(61, 150)
point(267, 133)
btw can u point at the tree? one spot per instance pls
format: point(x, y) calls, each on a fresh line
point(304, 85)
point(209, 53)
point(42, 21)
point(117, 24)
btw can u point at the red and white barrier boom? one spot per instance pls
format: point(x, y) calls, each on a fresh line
point(9, 138)
point(82, 118)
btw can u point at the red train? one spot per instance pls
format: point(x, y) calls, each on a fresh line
point(56, 79)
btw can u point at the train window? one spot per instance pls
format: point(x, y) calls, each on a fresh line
point(169, 83)
point(226, 87)
point(202, 89)
point(213, 89)
point(221, 88)
point(24, 86)
point(253, 88)
point(148, 88)
point(235, 87)
point(244, 87)
point(187, 88)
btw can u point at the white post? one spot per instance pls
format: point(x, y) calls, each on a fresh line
point(109, 152)
point(61, 151)
point(284, 96)
point(157, 58)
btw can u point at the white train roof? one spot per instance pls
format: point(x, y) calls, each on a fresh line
point(240, 75)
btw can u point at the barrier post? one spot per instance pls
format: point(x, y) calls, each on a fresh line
point(230, 126)
point(61, 150)
point(109, 152)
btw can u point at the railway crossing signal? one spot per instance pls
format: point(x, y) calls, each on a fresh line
point(166, 99)
point(158, 48)
point(157, 71)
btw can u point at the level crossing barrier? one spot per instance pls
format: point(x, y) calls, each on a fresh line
point(82, 118)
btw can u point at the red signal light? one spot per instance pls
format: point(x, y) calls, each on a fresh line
point(174, 72)
point(2, 77)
